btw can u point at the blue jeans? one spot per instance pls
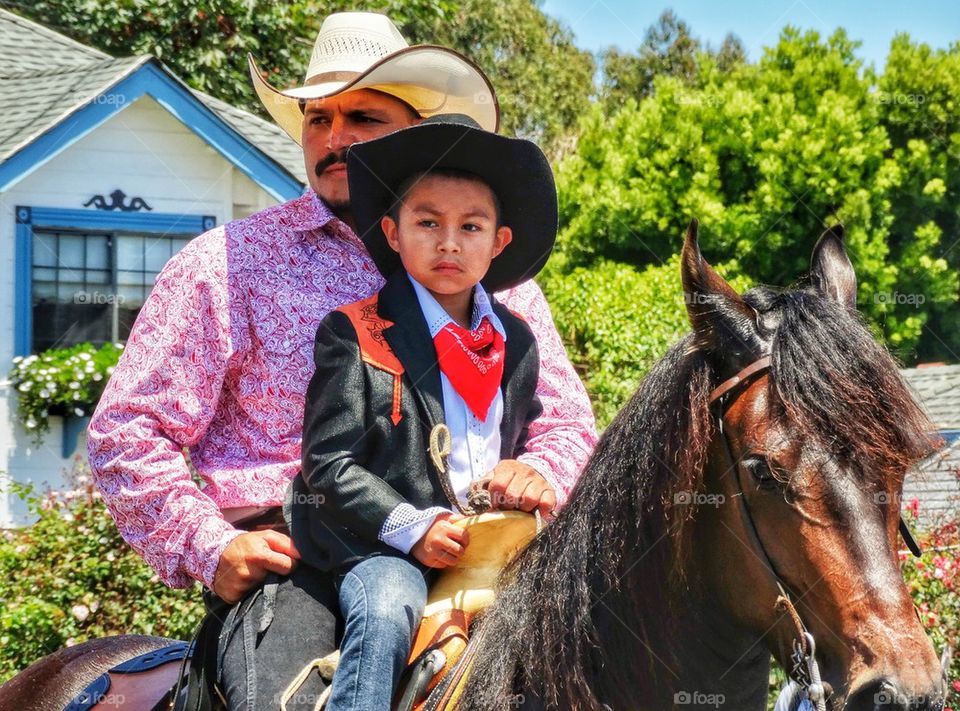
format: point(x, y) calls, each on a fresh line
point(381, 600)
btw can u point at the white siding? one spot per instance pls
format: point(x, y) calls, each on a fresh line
point(146, 152)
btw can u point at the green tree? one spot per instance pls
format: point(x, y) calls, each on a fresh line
point(544, 82)
point(918, 105)
point(766, 155)
point(668, 49)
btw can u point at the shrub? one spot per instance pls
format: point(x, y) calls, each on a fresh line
point(70, 577)
point(616, 321)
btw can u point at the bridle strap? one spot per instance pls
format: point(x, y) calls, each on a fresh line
point(742, 377)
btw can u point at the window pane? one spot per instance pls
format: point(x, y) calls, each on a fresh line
point(96, 276)
point(44, 291)
point(127, 278)
point(158, 252)
point(129, 251)
point(69, 292)
point(44, 249)
point(71, 251)
point(98, 254)
point(45, 275)
point(130, 297)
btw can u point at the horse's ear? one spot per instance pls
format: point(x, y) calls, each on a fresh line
point(831, 272)
point(722, 321)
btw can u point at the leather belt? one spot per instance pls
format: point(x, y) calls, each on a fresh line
point(257, 518)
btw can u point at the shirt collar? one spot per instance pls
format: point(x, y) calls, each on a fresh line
point(437, 317)
point(312, 213)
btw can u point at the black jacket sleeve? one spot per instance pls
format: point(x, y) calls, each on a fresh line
point(336, 435)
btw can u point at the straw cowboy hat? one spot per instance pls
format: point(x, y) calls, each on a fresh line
point(364, 50)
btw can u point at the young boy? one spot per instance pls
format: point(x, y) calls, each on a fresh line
point(449, 213)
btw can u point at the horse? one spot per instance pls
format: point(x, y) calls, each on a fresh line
point(745, 502)
point(747, 495)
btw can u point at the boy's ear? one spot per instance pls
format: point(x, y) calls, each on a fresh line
point(389, 228)
point(503, 237)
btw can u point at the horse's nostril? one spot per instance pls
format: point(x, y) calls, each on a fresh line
point(885, 695)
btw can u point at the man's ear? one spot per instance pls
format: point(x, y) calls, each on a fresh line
point(503, 237)
point(389, 228)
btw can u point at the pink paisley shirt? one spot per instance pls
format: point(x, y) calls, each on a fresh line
point(218, 364)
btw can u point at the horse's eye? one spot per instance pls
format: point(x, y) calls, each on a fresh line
point(760, 470)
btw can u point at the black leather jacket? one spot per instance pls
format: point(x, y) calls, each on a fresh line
point(357, 464)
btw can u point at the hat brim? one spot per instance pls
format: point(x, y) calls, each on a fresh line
point(515, 169)
point(432, 79)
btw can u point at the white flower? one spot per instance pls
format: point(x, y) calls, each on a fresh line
point(17, 359)
point(110, 557)
point(84, 356)
point(110, 370)
point(44, 393)
point(74, 385)
point(70, 642)
point(25, 387)
point(78, 395)
point(119, 345)
point(97, 376)
point(78, 412)
point(30, 424)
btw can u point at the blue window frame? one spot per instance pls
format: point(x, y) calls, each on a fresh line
point(87, 272)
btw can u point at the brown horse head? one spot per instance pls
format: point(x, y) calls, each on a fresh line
point(806, 477)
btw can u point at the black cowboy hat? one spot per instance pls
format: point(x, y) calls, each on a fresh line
point(515, 169)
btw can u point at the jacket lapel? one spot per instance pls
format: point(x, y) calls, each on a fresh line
point(410, 340)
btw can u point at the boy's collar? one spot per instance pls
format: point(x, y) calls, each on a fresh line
point(437, 317)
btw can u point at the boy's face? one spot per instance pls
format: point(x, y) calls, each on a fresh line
point(447, 233)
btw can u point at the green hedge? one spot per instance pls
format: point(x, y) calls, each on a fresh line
point(616, 321)
point(70, 577)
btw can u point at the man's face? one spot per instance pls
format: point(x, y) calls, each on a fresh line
point(332, 125)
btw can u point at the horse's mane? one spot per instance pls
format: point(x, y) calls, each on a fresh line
point(598, 582)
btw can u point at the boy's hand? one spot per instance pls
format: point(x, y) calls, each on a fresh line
point(442, 544)
point(516, 485)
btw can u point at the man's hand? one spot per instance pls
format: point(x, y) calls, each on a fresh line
point(248, 558)
point(516, 485)
point(442, 544)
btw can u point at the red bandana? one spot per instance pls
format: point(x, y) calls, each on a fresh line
point(472, 362)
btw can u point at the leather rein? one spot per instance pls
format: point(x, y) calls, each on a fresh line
point(805, 668)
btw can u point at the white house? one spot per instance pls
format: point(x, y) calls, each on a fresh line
point(107, 167)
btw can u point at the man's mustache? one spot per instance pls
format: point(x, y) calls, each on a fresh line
point(328, 160)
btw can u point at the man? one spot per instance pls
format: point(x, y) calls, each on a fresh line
point(220, 357)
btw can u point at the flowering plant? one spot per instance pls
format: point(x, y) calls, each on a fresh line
point(65, 381)
point(70, 577)
point(934, 582)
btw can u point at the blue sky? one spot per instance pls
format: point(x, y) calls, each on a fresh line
point(601, 23)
